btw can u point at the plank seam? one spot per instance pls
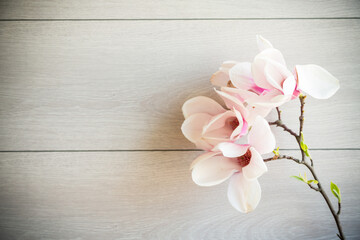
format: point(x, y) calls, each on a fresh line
point(169, 19)
point(160, 150)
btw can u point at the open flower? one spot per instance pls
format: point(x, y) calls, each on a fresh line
point(267, 82)
point(242, 163)
point(207, 123)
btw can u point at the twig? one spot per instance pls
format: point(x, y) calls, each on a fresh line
point(301, 118)
point(279, 113)
point(312, 187)
point(320, 189)
point(279, 123)
point(282, 157)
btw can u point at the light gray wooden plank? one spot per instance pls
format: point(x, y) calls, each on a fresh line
point(150, 195)
point(121, 85)
point(105, 9)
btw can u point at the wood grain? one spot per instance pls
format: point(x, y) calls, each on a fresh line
point(150, 195)
point(138, 9)
point(121, 85)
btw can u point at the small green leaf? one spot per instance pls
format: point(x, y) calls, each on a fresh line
point(301, 137)
point(336, 191)
point(303, 146)
point(312, 181)
point(299, 178)
point(276, 152)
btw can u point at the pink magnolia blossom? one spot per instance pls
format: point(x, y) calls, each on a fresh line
point(207, 123)
point(242, 163)
point(267, 82)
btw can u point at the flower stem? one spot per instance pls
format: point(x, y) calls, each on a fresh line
point(310, 166)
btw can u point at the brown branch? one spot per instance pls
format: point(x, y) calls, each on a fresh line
point(301, 118)
point(312, 187)
point(279, 123)
point(327, 200)
point(319, 188)
point(281, 157)
point(279, 113)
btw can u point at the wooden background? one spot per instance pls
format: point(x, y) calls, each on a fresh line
point(90, 114)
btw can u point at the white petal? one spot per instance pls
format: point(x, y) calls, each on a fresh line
point(229, 149)
point(218, 121)
point(263, 43)
point(276, 73)
point(261, 137)
point(272, 99)
point(272, 54)
point(220, 79)
point(256, 167)
point(233, 102)
point(193, 126)
point(240, 75)
point(213, 170)
point(316, 81)
point(289, 85)
point(244, 195)
point(255, 111)
point(258, 72)
point(201, 104)
point(203, 157)
point(258, 66)
point(239, 128)
point(241, 94)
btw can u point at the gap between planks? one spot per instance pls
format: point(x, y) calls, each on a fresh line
point(169, 19)
point(159, 150)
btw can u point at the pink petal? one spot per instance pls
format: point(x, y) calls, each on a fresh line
point(272, 54)
point(276, 73)
point(232, 102)
point(289, 85)
point(218, 121)
point(220, 79)
point(203, 156)
point(263, 43)
point(256, 167)
point(244, 195)
point(271, 99)
point(261, 137)
point(212, 142)
point(193, 126)
point(201, 104)
point(213, 170)
point(316, 81)
point(240, 94)
point(258, 66)
point(232, 150)
point(205, 144)
point(240, 75)
point(255, 111)
point(239, 129)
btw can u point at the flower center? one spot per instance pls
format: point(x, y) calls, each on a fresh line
point(244, 160)
point(234, 123)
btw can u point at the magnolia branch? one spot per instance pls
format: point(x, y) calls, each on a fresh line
point(310, 166)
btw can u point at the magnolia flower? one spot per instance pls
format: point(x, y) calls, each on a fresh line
point(207, 123)
point(267, 82)
point(242, 163)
